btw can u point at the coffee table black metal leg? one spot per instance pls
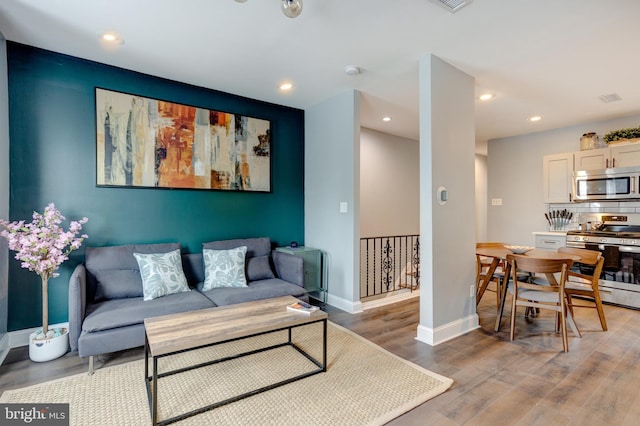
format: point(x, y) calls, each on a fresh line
point(324, 345)
point(154, 402)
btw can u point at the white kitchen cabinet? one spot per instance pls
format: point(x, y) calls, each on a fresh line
point(624, 155)
point(557, 172)
point(592, 159)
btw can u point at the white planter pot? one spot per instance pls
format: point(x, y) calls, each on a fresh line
point(48, 349)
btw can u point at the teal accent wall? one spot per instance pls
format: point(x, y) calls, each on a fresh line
point(53, 156)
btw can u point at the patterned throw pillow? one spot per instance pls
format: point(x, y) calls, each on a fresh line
point(224, 268)
point(161, 274)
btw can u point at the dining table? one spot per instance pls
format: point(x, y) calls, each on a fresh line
point(498, 256)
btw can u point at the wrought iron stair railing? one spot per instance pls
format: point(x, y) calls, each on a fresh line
point(389, 264)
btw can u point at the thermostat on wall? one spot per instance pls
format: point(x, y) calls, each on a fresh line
point(442, 195)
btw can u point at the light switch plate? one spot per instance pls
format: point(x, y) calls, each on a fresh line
point(496, 201)
point(344, 207)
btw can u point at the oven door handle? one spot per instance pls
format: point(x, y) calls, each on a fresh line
point(623, 249)
point(626, 249)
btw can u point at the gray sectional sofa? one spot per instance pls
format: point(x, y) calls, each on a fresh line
point(106, 306)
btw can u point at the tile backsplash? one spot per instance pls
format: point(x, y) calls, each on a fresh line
point(593, 211)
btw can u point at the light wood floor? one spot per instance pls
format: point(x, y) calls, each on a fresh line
point(497, 382)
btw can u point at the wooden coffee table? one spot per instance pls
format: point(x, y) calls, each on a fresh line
point(170, 334)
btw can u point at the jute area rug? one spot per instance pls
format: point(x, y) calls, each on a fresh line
point(364, 385)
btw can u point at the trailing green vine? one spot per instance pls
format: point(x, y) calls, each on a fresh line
point(616, 135)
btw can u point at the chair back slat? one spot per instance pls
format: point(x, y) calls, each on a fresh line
point(539, 265)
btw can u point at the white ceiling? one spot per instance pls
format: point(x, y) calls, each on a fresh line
point(539, 57)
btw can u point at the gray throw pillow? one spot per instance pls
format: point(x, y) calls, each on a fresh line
point(118, 284)
point(258, 268)
point(161, 274)
point(224, 268)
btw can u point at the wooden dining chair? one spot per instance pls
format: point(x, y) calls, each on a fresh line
point(585, 285)
point(482, 267)
point(540, 296)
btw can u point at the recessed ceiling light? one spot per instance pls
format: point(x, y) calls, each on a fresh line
point(286, 86)
point(535, 118)
point(486, 96)
point(111, 38)
point(386, 118)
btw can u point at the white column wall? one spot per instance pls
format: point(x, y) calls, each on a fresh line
point(481, 198)
point(447, 232)
point(332, 170)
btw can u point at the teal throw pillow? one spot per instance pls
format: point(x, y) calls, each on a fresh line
point(161, 274)
point(224, 268)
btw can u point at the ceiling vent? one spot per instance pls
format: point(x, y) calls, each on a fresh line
point(611, 97)
point(452, 5)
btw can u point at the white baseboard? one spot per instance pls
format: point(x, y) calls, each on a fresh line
point(394, 298)
point(435, 336)
point(344, 304)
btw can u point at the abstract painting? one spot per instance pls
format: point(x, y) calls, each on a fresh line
point(143, 142)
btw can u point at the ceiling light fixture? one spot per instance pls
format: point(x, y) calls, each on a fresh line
point(486, 96)
point(386, 118)
point(352, 70)
point(611, 97)
point(535, 118)
point(286, 86)
point(111, 38)
point(291, 8)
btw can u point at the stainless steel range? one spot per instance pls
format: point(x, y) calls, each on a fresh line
point(619, 242)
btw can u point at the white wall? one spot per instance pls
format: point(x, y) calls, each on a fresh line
point(447, 232)
point(389, 185)
point(515, 176)
point(332, 171)
point(4, 185)
point(481, 197)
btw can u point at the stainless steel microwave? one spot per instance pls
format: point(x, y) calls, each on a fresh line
point(606, 184)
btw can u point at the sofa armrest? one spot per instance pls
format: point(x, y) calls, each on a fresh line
point(289, 267)
point(77, 304)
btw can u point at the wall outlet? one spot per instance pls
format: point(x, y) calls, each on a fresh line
point(472, 290)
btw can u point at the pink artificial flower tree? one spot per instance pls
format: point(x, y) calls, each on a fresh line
point(42, 246)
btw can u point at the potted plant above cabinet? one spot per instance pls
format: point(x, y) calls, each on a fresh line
point(623, 135)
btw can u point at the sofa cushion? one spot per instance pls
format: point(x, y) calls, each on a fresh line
point(259, 268)
point(193, 267)
point(224, 268)
point(256, 290)
point(255, 246)
point(161, 274)
point(116, 270)
point(111, 314)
